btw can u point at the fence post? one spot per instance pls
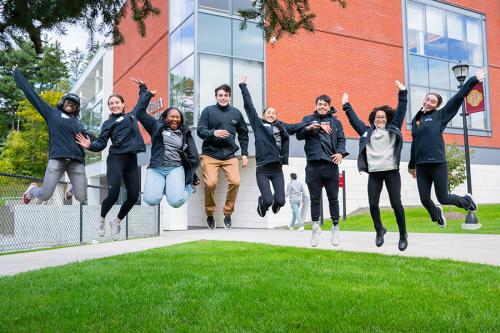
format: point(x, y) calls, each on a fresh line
point(344, 210)
point(126, 227)
point(158, 230)
point(81, 223)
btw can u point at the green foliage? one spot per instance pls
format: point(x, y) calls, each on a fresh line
point(34, 17)
point(456, 166)
point(26, 152)
point(277, 17)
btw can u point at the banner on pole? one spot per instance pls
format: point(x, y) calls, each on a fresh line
point(474, 102)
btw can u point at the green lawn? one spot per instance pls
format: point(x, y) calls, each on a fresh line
point(240, 287)
point(418, 220)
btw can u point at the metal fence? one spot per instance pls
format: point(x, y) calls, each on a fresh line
point(58, 222)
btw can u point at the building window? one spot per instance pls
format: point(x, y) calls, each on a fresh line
point(438, 37)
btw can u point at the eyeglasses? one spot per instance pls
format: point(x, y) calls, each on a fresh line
point(380, 117)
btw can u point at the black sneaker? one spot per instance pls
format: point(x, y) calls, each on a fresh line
point(472, 203)
point(260, 211)
point(211, 222)
point(227, 222)
point(276, 208)
point(441, 219)
point(403, 242)
point(379, 239)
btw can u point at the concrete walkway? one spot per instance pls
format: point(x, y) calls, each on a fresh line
point(470, 248)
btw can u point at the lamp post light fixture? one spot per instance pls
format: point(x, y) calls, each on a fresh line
point(461, 71)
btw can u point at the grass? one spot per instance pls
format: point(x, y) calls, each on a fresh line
point(418, 220)
point(239, 287)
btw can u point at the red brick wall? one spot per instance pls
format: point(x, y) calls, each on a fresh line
point(359, 49)
point(145, 58)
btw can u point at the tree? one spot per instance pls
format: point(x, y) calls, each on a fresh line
point(45, 72)
point(276, 17)
point(456, 166)
point(35, 17)
point(26, 152)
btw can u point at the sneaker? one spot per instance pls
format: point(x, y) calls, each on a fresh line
point(276, 208)
point(26, 195)
point(379, 239)
point(301, 228)
point(260, 211)
point(290, 228)
point(472, 203)
point(69, 193)
point(441, 219)
point(101, 227)
point(227, 222)
point(115, 228)
point(316, 231)
point(336, 235)
point(211, 222)
point(403, 242)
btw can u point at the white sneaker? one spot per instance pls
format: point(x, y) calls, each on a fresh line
point(290, 228)
point(115, 228)
point(301, 228)
point(101, 227)
point(316, 231)
point(336, 235)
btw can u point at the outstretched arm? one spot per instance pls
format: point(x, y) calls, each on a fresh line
point(40, 105)
point(356, 123)
point(399, 116)
point(140, 109)
point(253, 117)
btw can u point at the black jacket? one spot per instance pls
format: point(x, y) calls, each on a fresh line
point(188, 153)
point(229, 118)
point(123, 129)
point(427, 129)
point(62, 126)
point(266, 149)
point(312, 147)
point(365, 132)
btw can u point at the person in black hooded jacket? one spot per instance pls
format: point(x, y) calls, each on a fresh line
point(126, 141)
point(380, 146)
point(428, 157)
point(325, 149)
point(272, 140)
point(174, 158)
point(65, 155)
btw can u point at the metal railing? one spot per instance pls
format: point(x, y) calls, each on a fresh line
point(58, 222)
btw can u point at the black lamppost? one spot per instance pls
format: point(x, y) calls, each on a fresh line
point(461, 71)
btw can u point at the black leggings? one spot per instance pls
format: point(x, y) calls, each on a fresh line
point(121, 167)
point(266, 174)
point(437, 173)
point(325, 174)
point(392, 180)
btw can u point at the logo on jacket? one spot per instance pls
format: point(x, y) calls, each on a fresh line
point(234, 122)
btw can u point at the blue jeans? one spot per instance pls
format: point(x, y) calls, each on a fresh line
point(296, 214)
point(169, 181)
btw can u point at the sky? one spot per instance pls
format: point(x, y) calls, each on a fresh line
point(75, 37)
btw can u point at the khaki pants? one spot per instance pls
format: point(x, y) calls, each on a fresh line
point(211, 167)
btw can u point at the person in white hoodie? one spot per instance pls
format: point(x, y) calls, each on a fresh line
point(296, 192)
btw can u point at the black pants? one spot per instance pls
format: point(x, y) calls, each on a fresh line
point(321, 174)
point(437, 173)
point(392, 180)
point(267, 174)
point(121, 167)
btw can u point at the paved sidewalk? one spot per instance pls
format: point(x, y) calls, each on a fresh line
point(470, 248)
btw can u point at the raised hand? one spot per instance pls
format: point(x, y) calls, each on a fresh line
point(243, 79)
point(14, 68)
point(400, 85)
point(481, 74)
point(137, 81)
point(83, 140)
point(345, 98)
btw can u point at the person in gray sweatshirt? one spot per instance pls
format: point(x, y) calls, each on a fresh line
point(295, 192)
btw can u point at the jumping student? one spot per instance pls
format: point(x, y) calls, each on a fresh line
point(126, 141)
point(325, 149)
point(174, 157)
point(380, 147)
point(272, 140)
point(428, 158)
point(65, 155)
point(295, 191)
point(217, 127)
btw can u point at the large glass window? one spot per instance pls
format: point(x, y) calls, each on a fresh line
point(179, 11)
point(438, 37)
point(182, 88)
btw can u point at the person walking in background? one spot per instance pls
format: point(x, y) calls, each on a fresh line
point(126, 141)
point(296, 193)
point(325, 149)
point(428, 158)
point(65, 155)
point(217, 127)
point(380, 146)
point(272, 141)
